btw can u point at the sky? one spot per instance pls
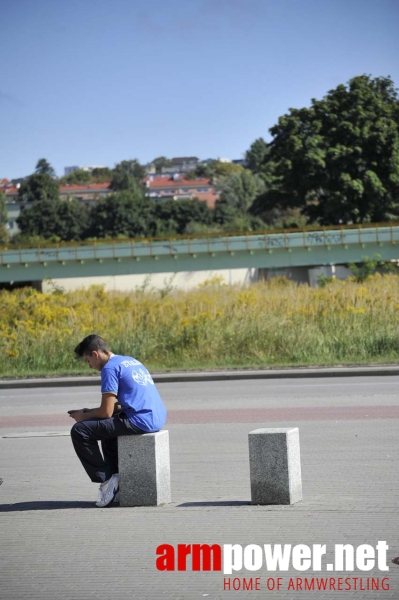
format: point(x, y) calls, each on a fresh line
point(94, 82)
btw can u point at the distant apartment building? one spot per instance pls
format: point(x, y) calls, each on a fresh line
point(12, 207)
point(10, 190)
point(158, 187)
point(150, 169)
point(13, 210)
point(8, 187)
point(162, 187)
point(236, 161)
point(182, 164)
point(87, 193)
point(185, 164)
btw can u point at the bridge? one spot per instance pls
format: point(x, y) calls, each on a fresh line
point(268, 250)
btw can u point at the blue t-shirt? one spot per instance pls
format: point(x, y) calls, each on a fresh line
point(135, 391)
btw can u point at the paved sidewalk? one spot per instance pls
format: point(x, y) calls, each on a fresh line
point(54, 543)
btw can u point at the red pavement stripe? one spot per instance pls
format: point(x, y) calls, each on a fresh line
point(242, 415)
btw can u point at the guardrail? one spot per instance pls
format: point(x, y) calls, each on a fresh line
point(211, 244)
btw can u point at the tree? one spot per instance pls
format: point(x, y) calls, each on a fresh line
point(80, 176)
point(3, 219)
point(101, 175)
point(161, 161)
point(280, 218)
point(63, 219)
point(256, 155)
point(76, 177)
point(194, 228)
point(40, 185)
point(239, 190)
point(178, 216)
point(222, 169)
point(125, 214)
point(228, 218)
point(127, 174)
point(72, 220)
point(201, 171)
point(213, 170)
point(44, 167)
point(339, 159)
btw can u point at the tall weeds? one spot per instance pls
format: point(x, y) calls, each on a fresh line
point(213, 326)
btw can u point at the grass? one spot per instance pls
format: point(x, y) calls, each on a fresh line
point(264, 325)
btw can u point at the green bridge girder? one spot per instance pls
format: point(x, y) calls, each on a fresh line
point(269, 250)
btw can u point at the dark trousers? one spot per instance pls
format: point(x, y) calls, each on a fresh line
point(85, 437)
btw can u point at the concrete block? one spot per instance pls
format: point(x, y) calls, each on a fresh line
point(275, 466)
point(144, 469)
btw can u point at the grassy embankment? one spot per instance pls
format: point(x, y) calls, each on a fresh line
point(214, 326)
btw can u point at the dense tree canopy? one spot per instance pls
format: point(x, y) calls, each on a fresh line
point(201, 171)
point(256, 155)
point(64, 219)
point(43, 167)
point(159, 162)
point(72, 220)
point(177, 216)
point(336, 161)
point(80, 176)
point(339, 159)
point(239, 189)
point(40, 185)
point(125, 214)
point(127, 175)
point(223, 169)
point(76, 177)
point(101, 175)
point(213, 170)
point(3, 219)
point(228, 218)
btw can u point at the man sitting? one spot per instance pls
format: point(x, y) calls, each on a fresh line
point(139, 409)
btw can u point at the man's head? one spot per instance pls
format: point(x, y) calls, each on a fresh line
point(94, 350)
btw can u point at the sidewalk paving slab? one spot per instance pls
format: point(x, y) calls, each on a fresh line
point(56, 544)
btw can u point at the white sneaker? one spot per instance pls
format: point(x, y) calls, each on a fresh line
point(108, 491)
point(100, 490)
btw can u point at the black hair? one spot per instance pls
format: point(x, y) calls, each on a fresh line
point(90, 343)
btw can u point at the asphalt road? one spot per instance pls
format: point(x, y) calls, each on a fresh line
point(351, 391)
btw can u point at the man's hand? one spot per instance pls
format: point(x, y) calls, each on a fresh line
point(105, 411)
point(79, 415)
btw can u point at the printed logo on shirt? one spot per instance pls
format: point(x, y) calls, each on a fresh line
point(130, 363)
point(142, 378)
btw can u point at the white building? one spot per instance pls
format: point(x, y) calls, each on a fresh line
point(181, 164)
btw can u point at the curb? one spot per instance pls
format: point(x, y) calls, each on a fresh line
point(193, 376)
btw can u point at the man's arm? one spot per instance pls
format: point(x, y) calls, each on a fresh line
point(105, 411)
